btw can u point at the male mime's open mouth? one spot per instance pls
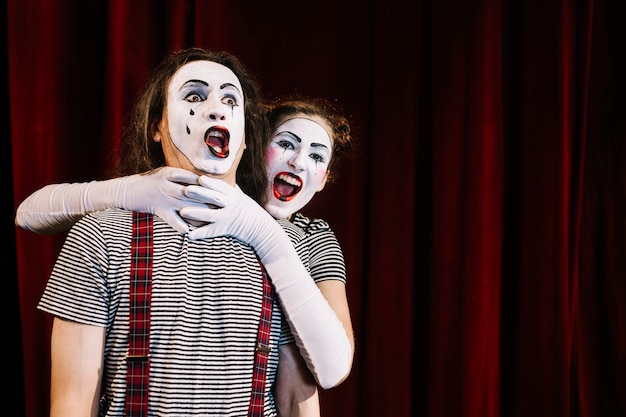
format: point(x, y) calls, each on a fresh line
point(217, 139)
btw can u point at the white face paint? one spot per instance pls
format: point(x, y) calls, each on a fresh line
point(205, 119)
point(296, 161)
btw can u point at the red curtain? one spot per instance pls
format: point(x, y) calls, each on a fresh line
point(482, 216)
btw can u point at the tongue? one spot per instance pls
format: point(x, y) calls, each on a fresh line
point(216, 147)
point(284, 189)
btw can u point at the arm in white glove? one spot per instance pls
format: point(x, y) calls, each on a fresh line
point(319, 334)
point(56, 207)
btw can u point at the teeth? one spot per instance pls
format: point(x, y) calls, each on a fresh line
point(289, 180)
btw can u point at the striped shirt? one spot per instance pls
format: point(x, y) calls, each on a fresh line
point(318, 249)
point(206, 304)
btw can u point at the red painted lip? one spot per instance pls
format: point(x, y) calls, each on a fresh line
point(217, 139)
point(286, 186)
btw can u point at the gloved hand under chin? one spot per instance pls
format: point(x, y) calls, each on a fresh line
point(319, 334)
point(227, 211)
point(160, 191)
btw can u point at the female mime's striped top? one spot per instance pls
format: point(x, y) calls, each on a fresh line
point(318, 249)
point(206, 304)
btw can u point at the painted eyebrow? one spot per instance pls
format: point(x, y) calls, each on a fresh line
point(223, 86)
point(290, 134)
point(194, 82)
point(318, 145)
point(296, 137)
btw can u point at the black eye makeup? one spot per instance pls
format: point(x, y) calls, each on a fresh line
point(195, 97)
point(317, 158)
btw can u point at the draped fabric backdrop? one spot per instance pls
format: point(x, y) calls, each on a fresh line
point(482, 216)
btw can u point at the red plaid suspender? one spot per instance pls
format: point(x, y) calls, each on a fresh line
point(257, 399)
point(138, 359)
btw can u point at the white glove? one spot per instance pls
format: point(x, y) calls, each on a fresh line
point(319, 334)
point(56, 207)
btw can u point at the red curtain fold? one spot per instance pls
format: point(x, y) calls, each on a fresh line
point(467, 195)
point(482, 216)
